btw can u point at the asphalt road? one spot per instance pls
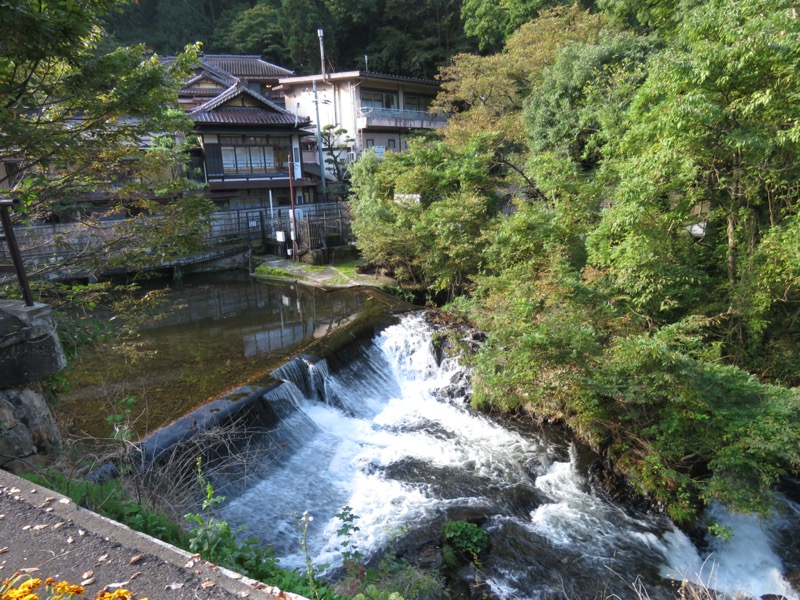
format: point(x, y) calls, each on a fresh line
point(46, 535)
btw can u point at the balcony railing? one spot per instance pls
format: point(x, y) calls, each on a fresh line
point(404, 115)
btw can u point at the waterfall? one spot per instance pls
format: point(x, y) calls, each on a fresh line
point(375, 435)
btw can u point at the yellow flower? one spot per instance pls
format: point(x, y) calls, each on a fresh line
point(65, 587)
point(75, 590)
point(31, 584)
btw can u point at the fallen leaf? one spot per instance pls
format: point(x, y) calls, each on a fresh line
point(236, 575)
point(135, 575)
point(70, 540)
point(64, 501)
point(113, 586)
point(14, 490)
point(189, 565)
point(50, 509)
point(57, 525)
point(28, 570)
point(207, 584)
point(4, 550)
point(81, 532)
point(173, 586)
point(135, 559)
point(39, 527)
point(2, 516)
point(86, 582)
point(103, 558)
point(87, 574)
point(26, 528)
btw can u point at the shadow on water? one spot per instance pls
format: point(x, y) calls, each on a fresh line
point(209, 335)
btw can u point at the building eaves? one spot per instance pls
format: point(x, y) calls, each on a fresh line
point(245, 65)
point(214, 74)
point(214, 111)
point(242, 115)
point(345, 75)
point(236, 90)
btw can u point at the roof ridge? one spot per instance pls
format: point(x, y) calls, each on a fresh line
point(231, 93)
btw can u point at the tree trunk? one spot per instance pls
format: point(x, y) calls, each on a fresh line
point(731, 219)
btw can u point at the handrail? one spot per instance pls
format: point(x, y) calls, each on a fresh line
point(396, 113)
point(11, 241)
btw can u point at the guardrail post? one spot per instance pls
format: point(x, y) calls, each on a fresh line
point(11, 240)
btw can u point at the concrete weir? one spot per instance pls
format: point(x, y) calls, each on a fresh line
point(29, 351)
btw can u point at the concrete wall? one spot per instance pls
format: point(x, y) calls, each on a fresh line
point(29, 351)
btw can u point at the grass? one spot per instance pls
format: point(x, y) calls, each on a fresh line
point(274, 272)
point(348, 268)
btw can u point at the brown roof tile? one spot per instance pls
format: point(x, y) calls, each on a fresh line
point(245, 65)
point(244, 115)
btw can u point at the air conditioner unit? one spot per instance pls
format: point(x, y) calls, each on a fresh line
point(280, 236)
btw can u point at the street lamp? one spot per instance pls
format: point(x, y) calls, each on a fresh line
point(321, 52)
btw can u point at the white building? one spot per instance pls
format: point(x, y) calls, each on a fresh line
point(375, 110)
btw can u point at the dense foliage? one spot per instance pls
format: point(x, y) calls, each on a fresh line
point(643, 288)
point(387, 36)
point(78, 124)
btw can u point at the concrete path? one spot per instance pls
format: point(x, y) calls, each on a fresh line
point(44, 534)
point(327, 276)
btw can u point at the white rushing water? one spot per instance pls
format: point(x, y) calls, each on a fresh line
point(384, 444)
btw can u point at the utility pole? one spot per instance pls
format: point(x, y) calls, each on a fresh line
point(322, 175)
point(319, 147)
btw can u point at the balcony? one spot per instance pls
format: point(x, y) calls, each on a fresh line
point(391, 118)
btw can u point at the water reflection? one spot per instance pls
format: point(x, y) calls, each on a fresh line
point(211, 334)
point(266, 317)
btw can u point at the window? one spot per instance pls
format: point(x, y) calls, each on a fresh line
point(249, 155)
point(370, 143)
point(372, 99)
point(390, 144)
point(414, 102)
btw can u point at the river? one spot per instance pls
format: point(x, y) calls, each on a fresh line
point(377, 433)
point(379, 426)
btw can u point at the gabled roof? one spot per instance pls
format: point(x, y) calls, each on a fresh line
point(249, 66)
point(208, 72)
point(218, 110)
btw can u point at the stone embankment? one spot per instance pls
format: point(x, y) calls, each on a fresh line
point(29, 352)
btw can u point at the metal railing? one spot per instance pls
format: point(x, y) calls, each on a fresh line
point(318, 226)
point(10, 239)
point(395, 113)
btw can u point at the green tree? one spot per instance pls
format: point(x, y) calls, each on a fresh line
point(712, 138)
point(254, 31)
point(419, 213)
point(73, 120)
point(487, 94)
point(492, 22)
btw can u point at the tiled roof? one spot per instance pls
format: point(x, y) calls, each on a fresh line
point(214, 74)
point(237, 90)
point(243, 115)
point(198, 91)
point(247, 65)
point(267, 113)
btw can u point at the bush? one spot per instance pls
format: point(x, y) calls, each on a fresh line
point(467, 539)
